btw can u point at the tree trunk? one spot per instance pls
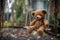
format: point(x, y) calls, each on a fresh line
point(2, 5)
point(54, 4)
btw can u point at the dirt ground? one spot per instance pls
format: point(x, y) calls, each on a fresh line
point(16, 34)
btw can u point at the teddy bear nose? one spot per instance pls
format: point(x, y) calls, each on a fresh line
point(37, 17)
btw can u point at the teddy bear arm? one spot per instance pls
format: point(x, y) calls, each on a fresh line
point(33, 22)
point(46, 23)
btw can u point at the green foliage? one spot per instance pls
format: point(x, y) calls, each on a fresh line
point(59, 22)
point(51, 21)
point(19, 6)
point(7, 24)
point(21, 18)
point(19, 12)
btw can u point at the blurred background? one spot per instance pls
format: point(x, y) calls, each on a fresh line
point(16, 14)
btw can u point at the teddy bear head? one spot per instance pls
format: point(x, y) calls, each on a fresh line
point(39, 14)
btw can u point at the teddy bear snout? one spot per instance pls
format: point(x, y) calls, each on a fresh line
point(39, 17)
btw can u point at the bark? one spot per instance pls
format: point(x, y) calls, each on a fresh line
point(2, 6)
point(54, 6)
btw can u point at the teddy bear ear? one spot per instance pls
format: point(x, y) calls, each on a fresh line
point(44, 11)
point(33, 13)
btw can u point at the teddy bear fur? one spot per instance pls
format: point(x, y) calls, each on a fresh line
point(39, 23)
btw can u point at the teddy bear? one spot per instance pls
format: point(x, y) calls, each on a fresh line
point(39, 23)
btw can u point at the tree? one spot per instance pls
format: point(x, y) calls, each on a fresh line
point(2, 6)
point(54, 6)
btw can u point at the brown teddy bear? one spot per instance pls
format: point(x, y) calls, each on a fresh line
point(39, 22)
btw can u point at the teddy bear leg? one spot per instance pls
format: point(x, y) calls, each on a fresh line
point(40, 31)
point(30, 29)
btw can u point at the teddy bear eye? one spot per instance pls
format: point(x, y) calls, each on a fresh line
point(33, 14)
point(40, 15)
